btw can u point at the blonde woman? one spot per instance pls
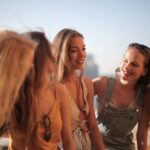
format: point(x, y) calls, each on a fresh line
point(16, 54)
point(40, 116)
point(6, 33)
point(71, 54)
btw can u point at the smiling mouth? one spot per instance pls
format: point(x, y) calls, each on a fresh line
point(81, 61)
point(126, 73)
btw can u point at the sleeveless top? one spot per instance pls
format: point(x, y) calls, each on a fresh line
point(80, 134)
point(38, 142)
point(116, 124)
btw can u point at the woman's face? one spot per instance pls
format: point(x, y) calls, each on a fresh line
point(132, 67)
point(77, 53)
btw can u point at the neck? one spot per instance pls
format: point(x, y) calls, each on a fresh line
point(73, 75)
point(125, 84)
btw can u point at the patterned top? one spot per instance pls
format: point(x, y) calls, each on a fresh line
point(80, 134)
point(116, 124)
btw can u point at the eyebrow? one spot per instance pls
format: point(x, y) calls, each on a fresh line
point(77, 46)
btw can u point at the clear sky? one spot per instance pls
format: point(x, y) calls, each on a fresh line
point(107, 25)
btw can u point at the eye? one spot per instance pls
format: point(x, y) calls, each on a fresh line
point(84, 49)
point(125, 60)
point(73, 49)
point(135, 64)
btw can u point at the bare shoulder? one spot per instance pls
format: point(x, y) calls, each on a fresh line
point(60, 87)
point(62, 92)
point(100, 84)
point(87, 80)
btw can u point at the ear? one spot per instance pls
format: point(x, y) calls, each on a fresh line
point(145, 72)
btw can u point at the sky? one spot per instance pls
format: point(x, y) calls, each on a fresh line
point(108, 26)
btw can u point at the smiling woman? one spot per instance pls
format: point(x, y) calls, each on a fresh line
point(120, 98)
point(40, 115)
point(70, 57)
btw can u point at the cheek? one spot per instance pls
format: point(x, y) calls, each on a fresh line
point(143, 72)
point(122, 66)
point(72, 57)
point(85, 54)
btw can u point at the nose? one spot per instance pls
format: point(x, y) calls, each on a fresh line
point(127, 66)
point(82, 53)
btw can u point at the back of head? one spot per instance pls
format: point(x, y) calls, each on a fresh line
point(33, 83)
point(61, 45)
point(4, 33)
point(16, 53)
point(43, 53)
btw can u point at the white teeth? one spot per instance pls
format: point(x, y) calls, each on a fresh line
point(127, 73)
point(80, 61)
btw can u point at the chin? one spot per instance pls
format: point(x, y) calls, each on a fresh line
point(124, 81)
point(79, 67)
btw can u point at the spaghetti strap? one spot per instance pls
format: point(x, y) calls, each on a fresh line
point(56, 98)
point(108, 92)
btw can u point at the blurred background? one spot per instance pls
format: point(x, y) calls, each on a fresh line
point(107, 25)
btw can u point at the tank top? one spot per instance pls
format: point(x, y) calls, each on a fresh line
point(116, 124)
point(38, 142)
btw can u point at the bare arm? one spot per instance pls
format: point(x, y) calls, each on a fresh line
point(66, 134)
point(94, 131)
point(142, 132)
point(100, 84)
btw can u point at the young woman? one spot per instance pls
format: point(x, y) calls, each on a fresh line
point(41, 114)
point(70, 56)
point(16, 54)
point(120, 98)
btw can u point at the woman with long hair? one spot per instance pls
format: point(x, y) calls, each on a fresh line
point(41, 115)
point(120, 98)
point(16, 54)
point(70, 57)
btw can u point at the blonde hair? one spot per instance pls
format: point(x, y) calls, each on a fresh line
point(4, 33)
point(14, 66)
point(25, 113)
point(61, 45)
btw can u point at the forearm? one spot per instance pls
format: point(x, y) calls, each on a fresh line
point(142, 140)
point(142, 133)
point(96, 139)
point(68, 143)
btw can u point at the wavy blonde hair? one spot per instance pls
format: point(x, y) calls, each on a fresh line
point(61, 45)
point(14, 66)
point(4, 33)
